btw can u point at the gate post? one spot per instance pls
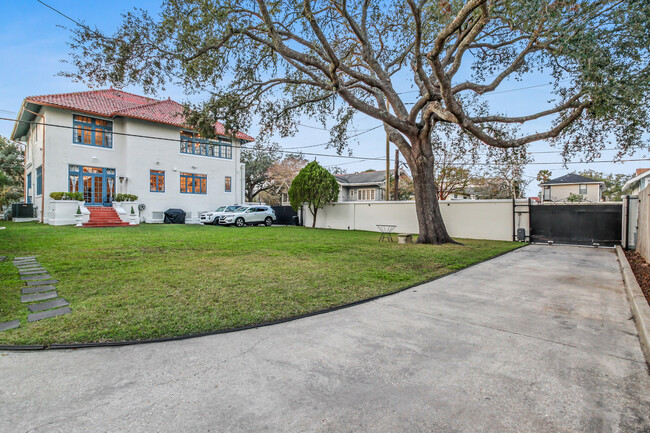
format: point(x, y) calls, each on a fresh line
point(514, 221)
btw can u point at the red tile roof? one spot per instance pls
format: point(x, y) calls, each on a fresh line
point(117, 103)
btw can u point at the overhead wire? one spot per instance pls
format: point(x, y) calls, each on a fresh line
point(325, 155)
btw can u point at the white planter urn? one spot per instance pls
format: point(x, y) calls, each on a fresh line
point(133, 219)
point(78, 219)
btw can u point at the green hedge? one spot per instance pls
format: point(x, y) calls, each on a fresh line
point(67, 196)
point(126, 197)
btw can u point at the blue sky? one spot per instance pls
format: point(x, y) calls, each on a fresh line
point(33, 44)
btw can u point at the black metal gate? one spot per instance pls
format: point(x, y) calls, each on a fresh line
point(284, 215)
point(577, 224)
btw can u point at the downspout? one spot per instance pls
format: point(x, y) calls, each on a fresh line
point(43, 174)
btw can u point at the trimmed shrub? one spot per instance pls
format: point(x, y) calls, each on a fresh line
point(126, 197)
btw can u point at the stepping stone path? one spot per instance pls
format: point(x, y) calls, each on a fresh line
point(39, 287)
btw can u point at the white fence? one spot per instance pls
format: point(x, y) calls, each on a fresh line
point(475, 219)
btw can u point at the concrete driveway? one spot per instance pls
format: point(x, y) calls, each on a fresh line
point(538, 340)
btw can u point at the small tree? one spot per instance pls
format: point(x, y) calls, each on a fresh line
point(574, 198)
point(544, 176)
point(314, 186)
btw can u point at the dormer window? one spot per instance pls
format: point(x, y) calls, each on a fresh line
point(92, 132)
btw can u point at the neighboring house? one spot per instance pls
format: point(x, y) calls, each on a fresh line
point(559, 189)
point(106, 142)
point(638, 182)
point(277, 195)
point(367, 186)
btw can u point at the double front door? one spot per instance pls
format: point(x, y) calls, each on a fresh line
point(96, 183)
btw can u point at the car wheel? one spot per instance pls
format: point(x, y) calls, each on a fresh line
point(239, 222)
point(268, 221)
point(215, 221)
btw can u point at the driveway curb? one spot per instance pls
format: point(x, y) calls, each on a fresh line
point(638, 304)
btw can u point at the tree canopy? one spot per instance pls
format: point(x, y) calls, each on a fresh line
point(11, 171)
point(258, 160)
point(315, 187)
point(281, 60)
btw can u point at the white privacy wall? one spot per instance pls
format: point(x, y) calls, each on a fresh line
point(475, 219)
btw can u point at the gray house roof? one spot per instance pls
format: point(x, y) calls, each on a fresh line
point(570, 179)
point(360, 179)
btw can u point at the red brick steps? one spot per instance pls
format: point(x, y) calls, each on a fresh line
point(104, 217)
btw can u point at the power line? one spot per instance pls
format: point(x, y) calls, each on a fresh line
point(358, 158)
point(327, 142)
point(61, 13)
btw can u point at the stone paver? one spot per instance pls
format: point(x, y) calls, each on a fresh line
point(9, 325)
point(35, 277)
point(37, 289)
point(538, 340)
point(24, 258)
point(55, 303)
point(40, 283)
point(33, 272)
point(28, 265)
point(47, 314)
point(38, 297)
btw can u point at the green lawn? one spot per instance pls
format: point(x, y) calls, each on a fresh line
point(134, 283)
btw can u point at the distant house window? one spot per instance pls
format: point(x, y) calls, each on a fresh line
point(366, 194)
point(39, 180)
point(228, 182)
point(547, 193)
point(92, 132)
point(351, 193)
point(156, 181)
point(583, 189)
point(193, 144)
point(194, 183)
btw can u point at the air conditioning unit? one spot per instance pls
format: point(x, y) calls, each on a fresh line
point(22, 210)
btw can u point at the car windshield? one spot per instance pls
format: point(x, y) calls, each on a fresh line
point(232, 208)
point(241, 209)
point(221, 209)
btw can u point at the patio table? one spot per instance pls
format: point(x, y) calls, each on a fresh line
point(386, 231)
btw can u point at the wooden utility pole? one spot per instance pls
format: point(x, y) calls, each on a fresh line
point(387, 198)
point(396, 193)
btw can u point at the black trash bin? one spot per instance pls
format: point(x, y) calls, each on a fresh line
point(296, 220)
point(174, 216)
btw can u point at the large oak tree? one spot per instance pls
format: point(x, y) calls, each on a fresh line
point(281, 60)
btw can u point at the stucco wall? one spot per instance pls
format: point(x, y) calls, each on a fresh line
point(643, 238)
point(133, 158)
point(477, 219)
point(562, 192)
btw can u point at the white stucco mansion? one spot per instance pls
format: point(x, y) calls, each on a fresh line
point(106, 142)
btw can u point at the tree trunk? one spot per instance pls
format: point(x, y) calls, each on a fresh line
point(432, 227)
point(313, 213)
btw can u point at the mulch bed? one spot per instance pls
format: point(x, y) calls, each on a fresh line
point(641, 270)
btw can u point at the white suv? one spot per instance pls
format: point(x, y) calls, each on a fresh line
point(249, 215)
point(213, 217)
